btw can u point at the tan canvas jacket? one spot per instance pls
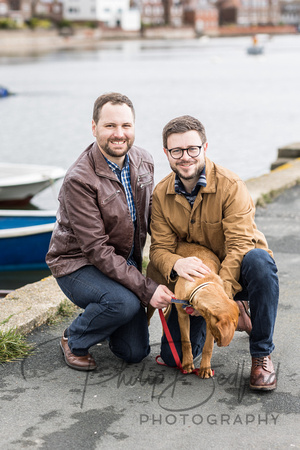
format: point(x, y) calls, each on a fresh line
point(222, 219)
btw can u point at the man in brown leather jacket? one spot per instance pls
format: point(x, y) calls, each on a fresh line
point(96, 247)
point(205, 203)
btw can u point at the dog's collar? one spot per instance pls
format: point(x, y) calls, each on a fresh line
point(185, 303)
point(201, 286)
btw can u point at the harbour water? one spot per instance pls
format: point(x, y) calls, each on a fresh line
point(250, 105)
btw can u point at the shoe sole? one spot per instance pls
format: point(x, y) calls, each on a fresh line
point(263, 388)
point(82, 369)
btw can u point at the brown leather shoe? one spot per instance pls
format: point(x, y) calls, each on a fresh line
point(263, 375)
point(244, 321)
point(86, 362)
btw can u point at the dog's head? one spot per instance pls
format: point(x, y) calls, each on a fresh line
point(222, 329)
point(219, 311)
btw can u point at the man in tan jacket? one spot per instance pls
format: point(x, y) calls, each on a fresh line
point(204, 203)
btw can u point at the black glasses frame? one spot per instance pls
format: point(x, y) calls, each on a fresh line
point(185, 150)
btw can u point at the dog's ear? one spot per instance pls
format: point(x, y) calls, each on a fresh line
point(225, 331)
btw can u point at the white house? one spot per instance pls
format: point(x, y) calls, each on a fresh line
point(111, 13)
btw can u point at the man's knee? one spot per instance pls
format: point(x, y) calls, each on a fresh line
point(137, 356)
point(259, 263)
point(130, 355)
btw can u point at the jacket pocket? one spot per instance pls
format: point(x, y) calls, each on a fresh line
point(213, 235)
point(111, 197)
point(145, 179)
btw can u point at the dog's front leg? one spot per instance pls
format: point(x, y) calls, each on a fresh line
point(205, 368)
point(184, 325)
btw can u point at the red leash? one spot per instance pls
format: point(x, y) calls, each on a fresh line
point(172, 346)
point(170, 341)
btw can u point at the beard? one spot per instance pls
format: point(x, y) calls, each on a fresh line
point(196, 173)
point(116, 153)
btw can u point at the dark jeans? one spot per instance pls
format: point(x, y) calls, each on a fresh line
point(111, 312)
point(260, 287)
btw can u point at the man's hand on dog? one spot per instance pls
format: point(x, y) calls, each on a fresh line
point(191, 267)
point(162, 297)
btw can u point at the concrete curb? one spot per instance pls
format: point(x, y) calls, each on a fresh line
point(274, 182)
point(32, 305)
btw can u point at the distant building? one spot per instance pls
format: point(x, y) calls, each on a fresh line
point(173, 12)
point(249, 12)
point(152, 13)
point(110, 13)
point(161, 12)
point(202, 14)
point(262, 12)
point(290, 13)
point(52, 10)
point(18, 10)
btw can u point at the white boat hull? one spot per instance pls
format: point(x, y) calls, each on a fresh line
point(20, 182)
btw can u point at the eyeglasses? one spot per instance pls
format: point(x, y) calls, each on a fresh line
point(192, 151)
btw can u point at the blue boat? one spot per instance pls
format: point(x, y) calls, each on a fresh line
point(24, 239)
point(4, 92)
point(255, 49)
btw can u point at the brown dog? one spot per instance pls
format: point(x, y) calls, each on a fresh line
point(207, 296)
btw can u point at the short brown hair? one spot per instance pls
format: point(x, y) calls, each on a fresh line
point(112, 97)
point(183, 124)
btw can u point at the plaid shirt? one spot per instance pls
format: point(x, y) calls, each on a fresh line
point(191, 197)
point(123, 176)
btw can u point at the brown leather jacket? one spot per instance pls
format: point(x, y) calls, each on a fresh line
point(94, 225)
point(222, 219)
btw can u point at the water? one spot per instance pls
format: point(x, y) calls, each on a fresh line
point(250, 105)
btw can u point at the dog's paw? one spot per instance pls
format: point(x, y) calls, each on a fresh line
point(205, 372)
point(188, 368)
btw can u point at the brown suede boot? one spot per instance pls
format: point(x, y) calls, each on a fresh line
point(263, 375)
point(86, 362)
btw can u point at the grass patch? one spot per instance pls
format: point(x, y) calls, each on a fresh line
point(65, 309)
point(6, 320)
point(13, 346)
point(270, 197)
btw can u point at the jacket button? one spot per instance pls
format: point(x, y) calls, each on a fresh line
point(192, 221)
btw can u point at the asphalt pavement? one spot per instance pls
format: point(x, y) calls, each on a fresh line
point(46, 405)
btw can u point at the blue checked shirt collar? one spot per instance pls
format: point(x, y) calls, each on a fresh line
point(124, 177)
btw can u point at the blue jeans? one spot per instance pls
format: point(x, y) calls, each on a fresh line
point(260, 288)
point(111, 311)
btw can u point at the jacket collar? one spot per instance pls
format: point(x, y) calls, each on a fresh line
point(211, 186)
point(101, 166)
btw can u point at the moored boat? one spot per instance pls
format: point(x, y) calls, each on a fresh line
point(20, 182)
point(255, 48)
point(24, 238)
point(4, 92)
